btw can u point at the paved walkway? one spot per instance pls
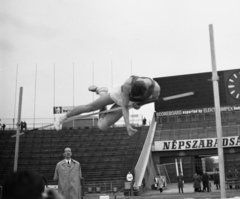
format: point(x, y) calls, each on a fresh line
point(172, 193)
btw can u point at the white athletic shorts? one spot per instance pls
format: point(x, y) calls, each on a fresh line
point(116, 96)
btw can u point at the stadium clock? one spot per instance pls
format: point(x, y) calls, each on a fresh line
point(233, 85)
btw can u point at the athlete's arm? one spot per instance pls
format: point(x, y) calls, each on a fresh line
point(156, 91)
point(125, 97)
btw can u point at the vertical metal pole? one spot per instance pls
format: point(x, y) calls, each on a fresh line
point(35, 97)
point(93, 92)
point(217, 114)
point(73, 85)
point(15, 97)
point(18, 130)
point(176, 166)
point(181, 165)
point(54, 91)
point(73, 93)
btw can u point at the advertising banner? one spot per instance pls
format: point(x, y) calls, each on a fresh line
point(61, 109)
point(196, 111)
point(171, 145)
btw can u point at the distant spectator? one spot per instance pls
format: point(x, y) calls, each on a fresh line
point(209, 186)
point(144, 121)
point(236, 177)
point(216, 179)
point(160, 182)
point(0, 124)
point(129, 177)
point(180, 182)
point(22, 126)
point(197, 183)
point(205, 181)
point(230, 176)
point(25, 125)
point(3, 127)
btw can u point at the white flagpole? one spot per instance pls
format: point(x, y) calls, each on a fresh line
point(18, 130)
point(53, 91)
point(181, 165)
point(176, 166)
point(15, 97)
point(35, 97)
point(73, 93)
point(93, 84)
point(217, 114)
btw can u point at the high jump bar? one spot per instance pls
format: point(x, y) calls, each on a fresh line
point(112, 110)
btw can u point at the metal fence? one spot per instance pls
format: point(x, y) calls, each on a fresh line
point(11, 124)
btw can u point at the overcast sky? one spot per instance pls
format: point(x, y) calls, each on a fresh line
point(104, 42)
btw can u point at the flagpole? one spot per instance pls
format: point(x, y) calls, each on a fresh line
point(217, 114)
point(132, 118)
point(93, 84)
point(35, 97)
point(73, 93)
point(53, 91)
point(18, 130)
point(15, 97)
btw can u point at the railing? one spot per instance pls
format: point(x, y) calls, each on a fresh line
point(41, 122)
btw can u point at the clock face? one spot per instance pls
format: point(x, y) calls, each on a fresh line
point(233, 85)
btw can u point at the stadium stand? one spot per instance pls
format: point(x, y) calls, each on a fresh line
point(105, 156)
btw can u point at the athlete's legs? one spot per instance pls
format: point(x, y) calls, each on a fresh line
point(108, 119)
point(97, 104)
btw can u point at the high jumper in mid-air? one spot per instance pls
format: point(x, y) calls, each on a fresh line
point(133, 93)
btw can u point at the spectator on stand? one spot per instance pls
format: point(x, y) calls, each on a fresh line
point(144, 121)
point(25, 125)
point(3, 127)
point(22, 126)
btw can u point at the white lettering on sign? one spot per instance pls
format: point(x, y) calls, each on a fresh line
point(196, 111)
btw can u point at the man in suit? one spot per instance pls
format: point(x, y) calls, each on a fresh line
point(68, 174)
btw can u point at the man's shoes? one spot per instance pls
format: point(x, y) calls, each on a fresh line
point(98, 89)
point(93, 88)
